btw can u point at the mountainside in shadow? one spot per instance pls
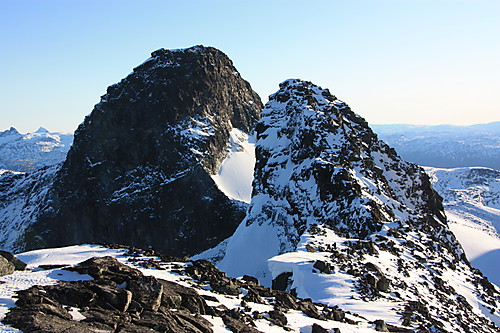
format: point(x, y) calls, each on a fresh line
point(337, 216)
point(139, 171)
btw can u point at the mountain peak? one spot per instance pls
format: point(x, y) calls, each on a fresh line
point(9, 132)
point(318, 163)
point(42, 130)
point(335, 211)
point(156, 137)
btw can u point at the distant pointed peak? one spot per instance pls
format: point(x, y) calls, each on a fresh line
point(11, 131)
point(42, 130)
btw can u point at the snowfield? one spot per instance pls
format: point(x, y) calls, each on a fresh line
point(235, 174)
point(472, 203)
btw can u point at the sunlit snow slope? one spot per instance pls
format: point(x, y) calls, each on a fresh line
point(235, 174)
point(472, 202)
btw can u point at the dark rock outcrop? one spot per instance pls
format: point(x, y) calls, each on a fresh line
point(121, 299)
point(139, 170)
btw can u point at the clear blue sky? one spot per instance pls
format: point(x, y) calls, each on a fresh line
point(399, 61)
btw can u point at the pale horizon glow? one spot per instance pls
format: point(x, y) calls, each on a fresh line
point(394, 62)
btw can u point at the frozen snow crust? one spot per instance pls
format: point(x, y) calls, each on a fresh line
point(337, 216)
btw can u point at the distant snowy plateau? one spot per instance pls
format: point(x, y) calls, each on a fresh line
point(445, 146)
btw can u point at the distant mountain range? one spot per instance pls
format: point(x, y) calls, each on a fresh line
point(32, 151)
point(441, 146)
point(445, 146)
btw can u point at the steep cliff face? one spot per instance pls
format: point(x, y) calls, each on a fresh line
point(139, 170)
point(336, 215)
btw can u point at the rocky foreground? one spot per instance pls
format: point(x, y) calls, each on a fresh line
point(131, 290)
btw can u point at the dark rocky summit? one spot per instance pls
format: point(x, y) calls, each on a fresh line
point(139, 169)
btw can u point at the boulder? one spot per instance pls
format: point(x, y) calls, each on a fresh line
point(189, 300)
point(380, 326)
point(309, 309)
point(18, 264)
point(106, 269)
point(147, 291)
point(383, 284)
point(282, 281)
point(323, 266)
point(6, 267)
point(226, 286)
point(277, 317)
point(318, 329)
point(285, 300)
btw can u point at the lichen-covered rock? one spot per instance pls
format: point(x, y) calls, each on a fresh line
point(6, 267)
point(18, 264)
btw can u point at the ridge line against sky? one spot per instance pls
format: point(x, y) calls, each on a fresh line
point(410, 61)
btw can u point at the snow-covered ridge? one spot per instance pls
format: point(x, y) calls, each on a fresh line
point(338, 216)
point(31, 151)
